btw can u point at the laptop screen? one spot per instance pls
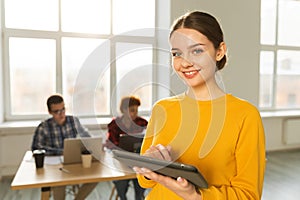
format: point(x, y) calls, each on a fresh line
point(74, 146)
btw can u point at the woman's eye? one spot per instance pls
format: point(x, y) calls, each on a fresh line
point(197, 51)
point(176, 54)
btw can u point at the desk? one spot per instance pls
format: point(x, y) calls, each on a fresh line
point(107, 169)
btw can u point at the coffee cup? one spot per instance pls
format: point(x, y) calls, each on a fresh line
point(86, 158)
point(39, 156)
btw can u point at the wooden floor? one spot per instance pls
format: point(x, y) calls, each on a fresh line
point(282, 181)
point(282, 178)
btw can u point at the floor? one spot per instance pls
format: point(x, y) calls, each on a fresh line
point(282, 177)
point(282, 181)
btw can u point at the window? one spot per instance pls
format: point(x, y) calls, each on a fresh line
point(280, 55)
point(92, 51)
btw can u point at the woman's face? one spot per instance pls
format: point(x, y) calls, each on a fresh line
point(194, 57)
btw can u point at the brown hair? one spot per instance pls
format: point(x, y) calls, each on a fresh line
point(126, 102)
point(54, 99)
point(205, 24)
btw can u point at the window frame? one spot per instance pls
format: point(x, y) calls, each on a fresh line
point(57, 36)
point(274, 48)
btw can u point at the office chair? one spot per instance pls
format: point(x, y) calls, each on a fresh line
point(113, 193)
point(131, 143)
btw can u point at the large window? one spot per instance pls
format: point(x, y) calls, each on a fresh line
point(93, 52)
point(280, 55)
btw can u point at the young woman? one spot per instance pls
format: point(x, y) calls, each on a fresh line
point(217, 132)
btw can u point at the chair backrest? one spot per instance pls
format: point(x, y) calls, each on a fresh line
point(131, 142)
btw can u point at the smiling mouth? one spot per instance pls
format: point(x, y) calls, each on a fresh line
point(189, 73)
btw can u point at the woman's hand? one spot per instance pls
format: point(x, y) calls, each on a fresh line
point(180, 186)
point(159, 152)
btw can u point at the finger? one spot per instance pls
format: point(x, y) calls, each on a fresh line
point(182, 182)
point(145, 172)
point(169, 148)
point(152, 175)
point(154, 152)
point(165, 153)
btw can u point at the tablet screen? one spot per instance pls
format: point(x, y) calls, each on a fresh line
point(167, 168)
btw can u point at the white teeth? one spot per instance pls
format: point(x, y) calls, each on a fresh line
point(189, 73)
point(192, 72)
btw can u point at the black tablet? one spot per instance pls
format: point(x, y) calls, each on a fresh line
point(167, 168)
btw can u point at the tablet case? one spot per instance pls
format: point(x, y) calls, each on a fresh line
point(167, 168)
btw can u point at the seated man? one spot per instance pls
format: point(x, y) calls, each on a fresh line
point(128, 123)
point(50, 135)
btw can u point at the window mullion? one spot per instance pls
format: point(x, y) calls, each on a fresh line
point(274, 91)
point(113, 75)
point(59, 70)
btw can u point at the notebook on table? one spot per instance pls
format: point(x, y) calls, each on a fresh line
point(74, 146)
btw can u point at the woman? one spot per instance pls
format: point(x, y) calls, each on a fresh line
point(128, 123)
point(218, 133)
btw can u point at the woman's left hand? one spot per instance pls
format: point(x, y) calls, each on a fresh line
point(180, 185)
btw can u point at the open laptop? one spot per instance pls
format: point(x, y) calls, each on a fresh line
point(131, 142)
point(74, 146)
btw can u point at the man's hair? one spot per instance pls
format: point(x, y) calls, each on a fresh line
point(126, 102)
point(54, 99)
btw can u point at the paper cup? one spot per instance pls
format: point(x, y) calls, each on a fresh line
point(86, 160)
point(39, 156)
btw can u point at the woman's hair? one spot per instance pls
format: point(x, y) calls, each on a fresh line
point(205, 24)
point(54, 99)
point(126, 102)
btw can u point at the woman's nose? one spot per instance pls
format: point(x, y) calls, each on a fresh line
point(186, 63)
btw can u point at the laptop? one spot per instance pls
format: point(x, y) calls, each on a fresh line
point(74, 146)
point(131, 142)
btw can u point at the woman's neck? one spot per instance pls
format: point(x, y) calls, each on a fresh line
point(205, 93)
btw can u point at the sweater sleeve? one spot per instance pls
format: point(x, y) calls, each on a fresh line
point(250, 164)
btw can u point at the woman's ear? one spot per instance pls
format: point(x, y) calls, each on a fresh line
point(221, 51)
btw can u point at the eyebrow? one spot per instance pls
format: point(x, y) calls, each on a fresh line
point(194, 45)
point(190, 47)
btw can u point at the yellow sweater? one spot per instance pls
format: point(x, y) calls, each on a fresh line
point(223, 138)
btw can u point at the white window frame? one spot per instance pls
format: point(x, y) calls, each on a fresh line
point(274, 48)
point(7, 33)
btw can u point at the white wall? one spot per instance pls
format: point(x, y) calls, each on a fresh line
point(1, 72)
point(13, 144)
point(240, 23)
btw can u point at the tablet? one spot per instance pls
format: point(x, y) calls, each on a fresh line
point(167, 168)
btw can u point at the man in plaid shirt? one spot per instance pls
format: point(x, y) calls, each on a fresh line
point(50, 135)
